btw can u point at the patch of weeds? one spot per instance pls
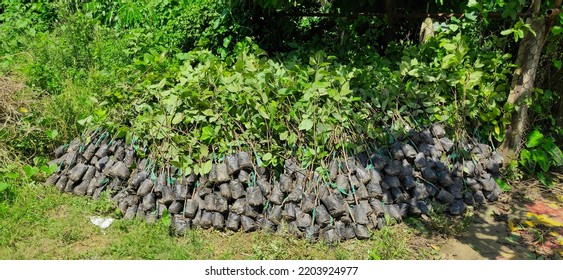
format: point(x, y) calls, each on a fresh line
point(416, 224)
point(194, 239)
point(512, 171)
point(441, 222)
point(226, 255)
point(10, 176)
point(103, 206)
point(36, 122)
point(274, 250)
point(71, 236)
point(390, 244)
point(39, 216)
point(342, 255)
point(139, 240)
point(399, 241)
point(541, 154)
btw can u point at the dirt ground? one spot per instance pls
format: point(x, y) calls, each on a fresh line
point(526, 223)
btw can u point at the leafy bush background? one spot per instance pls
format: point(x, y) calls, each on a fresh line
point(194, 80)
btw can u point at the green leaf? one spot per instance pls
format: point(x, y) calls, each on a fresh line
point(556, 155)
point(545, 180)
point(541, 158)
point(208, 112)
point(52, 168)
point(557, 63)
point(258, 160)
point(497, 130)
point(312, 61)
point(4, 186)
point(529, 29)
point(159, 85)
point(306, 124)
point(183, 56)
point(206, 133)
point(187, 170)
point(13, 175)
point(45, 168)
point(526, 158)
point(165, 220)
point(474, 78)
point(85, 120)
point(267, 157)
point(345, 89)
point(534, 139)
point(262, 112)
point(471, 16)
point(506, 32)
point(232, 88)
point(472, 3)
point(30, 170)
point(450, 47)
point(384, 104)
point(226, 41)
point(505, 187)
point(518, 34)
point(206, 167)
point(292, 139)
point(203, 151)
point(448, 60)
point(52, 134)
point(178, 117)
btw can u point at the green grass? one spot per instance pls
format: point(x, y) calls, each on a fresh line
point(42, 223)
point(38, 222)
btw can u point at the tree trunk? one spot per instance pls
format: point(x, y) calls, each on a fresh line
point(552, 15)
point(529, 54)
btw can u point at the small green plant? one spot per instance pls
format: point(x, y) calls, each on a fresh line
point(39, 172)
point(518, 30)
point(512, 171)
point(440, 221)
point(541, 154)
point(4, 186)
point(17, 174)
point(10, 176)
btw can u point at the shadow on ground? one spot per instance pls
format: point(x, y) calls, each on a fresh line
point(500, 230)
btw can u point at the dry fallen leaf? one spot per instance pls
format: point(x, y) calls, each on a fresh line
point(512, 226)
point(543, 219)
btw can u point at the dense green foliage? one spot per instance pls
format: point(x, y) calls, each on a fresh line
point(194, 80)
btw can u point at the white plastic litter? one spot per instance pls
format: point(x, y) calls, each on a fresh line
point(101, 222)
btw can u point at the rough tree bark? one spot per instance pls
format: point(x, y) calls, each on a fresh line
point(529, 54)
point(553, 13)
